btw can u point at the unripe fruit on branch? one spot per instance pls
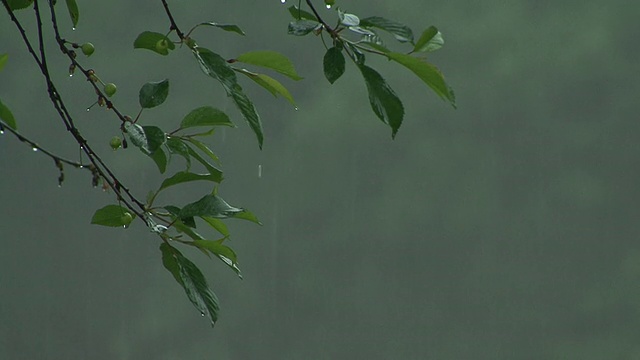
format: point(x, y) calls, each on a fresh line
point(88, 48)
point(162, 45)
point(110, 89)
point(115, 142)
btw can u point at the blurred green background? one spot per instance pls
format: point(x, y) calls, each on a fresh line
point(506, 229)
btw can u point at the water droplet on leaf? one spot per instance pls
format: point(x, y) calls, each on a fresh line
point(260, 171)
point(34, 149)
point(328, 6)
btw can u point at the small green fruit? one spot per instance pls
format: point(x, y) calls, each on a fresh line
point(126, 219)
point(88, 48)
point(110, 89)
point(162, 46)
point(115, 142)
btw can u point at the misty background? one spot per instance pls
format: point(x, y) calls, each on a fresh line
point(505, 229)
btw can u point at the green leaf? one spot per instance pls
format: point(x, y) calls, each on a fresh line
point(205, 116)
point(225, 27)
point(334, 64)
point(185, 176)
point(302, 27)
point(149, 40)
point(160, 158)
point(153, 94)
point(427, 73)
point(3, 60)
point(74, 12)
point(192, 281)
point(249, 112)
point(215, 66)
point(211, 206)
point(375, 46)
point(272, 85)
point(205, 149)
point(146, 138)
point(430, 40)
point(212, 169)
point(401, 32)
point(19, 4)
point(217, 224)
point(384, 101)
point(271, 60)
point(222, 252)
point(247, 215)
point(358, 56)
point(177, 146)
point(7, 116)
point(300, 14)
point(112, 215)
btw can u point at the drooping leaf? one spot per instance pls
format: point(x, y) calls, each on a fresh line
point(210, 168)
point(7, 116)
point(300, 14)
point(270, 84)
point(271, 60)
point(177, 146)
point(204, 148)
point(112, 215)
point(205, 116)
point(153, 94)
point(384, 101)
point(160, 158)
point(358, 55)
point(333, 64)
point(427, 73)
point(249, 112)
point(226, 27)
point(74, 12)
point(3, 60)
point(185, 176)
point(222, 252)
point(149, 40)
point(247, 215)
point(19, 4)
point(155, 137)
point(430, 40)
point(192, 281)
point(215, 66)
point(400, 31)
point(302, 27)
point(217, 224)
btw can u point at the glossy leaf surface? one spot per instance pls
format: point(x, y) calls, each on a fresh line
point(384, 101)
point(153, 94)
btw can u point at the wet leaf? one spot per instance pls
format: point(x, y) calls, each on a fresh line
point(185, 176)
point(3, 60)
point(427, 73)
point(205, 116)
point(74, 12)
point(302, 27)
point(270, 84)
point(334, 64)
point(384, 101)
point(112, 215)
point(19, 4)
point(192, 281)
point(153, 94)
point(271, 60)
point(400, 31)
point(7, 116)
point(430, 40)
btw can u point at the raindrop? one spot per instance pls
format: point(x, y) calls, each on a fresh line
point(260, 171)
point(202, 314)
point(34, 149)
point(296, 108)
point(88, 109)
point(283, 1)
point(1, 132)
point(328, 6)
point(81, 167)
point(70, 75)
point(73, 28)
